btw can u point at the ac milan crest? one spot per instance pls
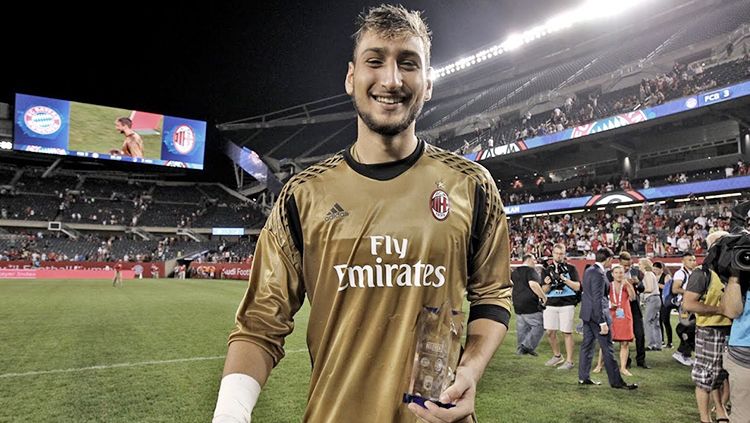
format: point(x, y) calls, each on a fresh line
point(183, 139)
point(440, 204)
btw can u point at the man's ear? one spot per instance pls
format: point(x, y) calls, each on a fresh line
point(428, 90)
point(349, 81)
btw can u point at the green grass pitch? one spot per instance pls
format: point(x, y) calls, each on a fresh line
point(153, 352)
point(92, 128)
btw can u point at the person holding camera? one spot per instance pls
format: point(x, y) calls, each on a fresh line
point(561, 285)
point(702, 296)
point(528, 303)
point(730, 259)
point(736, 358)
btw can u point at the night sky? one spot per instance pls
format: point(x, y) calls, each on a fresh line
point(221, 61)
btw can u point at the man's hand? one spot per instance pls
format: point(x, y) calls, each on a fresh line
point(603, 329)
point(462, 393)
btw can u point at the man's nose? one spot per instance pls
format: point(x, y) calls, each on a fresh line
point(391, 78)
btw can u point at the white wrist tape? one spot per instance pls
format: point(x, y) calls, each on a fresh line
point(238, 394)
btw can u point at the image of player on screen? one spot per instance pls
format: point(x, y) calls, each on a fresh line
point(132, 145)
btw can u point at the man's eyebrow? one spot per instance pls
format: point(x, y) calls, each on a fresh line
point(383, 50)
point(378, 50)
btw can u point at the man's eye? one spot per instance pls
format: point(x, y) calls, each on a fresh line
point(374, 62)
point(409, 65)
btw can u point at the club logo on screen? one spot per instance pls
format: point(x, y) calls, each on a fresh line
point(42, 120)
point(175, 163)
point(183, 139)
point(440, 204)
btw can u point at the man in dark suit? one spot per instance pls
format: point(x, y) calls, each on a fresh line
point(596, 323)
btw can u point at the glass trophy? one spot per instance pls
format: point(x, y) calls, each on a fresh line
point(436, 354)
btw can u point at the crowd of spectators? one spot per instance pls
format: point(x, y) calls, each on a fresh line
point(651, 230)
point(536, 188)
point(575, 111)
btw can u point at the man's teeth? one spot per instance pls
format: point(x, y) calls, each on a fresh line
point(388, 100)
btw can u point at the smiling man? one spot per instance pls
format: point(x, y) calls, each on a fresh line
point(371, 237)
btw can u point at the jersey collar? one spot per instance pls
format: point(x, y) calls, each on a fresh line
point(384, 171)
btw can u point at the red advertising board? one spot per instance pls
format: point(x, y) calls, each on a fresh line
point(220, 270)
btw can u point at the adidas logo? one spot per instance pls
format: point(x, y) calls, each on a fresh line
point(336, 212)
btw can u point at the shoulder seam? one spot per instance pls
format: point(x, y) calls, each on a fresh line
point(461, 164)
point(314, 171)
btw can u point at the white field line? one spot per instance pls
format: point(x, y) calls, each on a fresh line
point(121, 365)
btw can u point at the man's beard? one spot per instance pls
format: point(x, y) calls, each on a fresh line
point(389, 130)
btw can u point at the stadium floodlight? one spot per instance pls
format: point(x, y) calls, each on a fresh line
point(589, 10)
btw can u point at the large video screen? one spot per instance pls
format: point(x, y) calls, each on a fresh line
point(51, 126)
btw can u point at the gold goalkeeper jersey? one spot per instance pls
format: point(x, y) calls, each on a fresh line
point(370, 246)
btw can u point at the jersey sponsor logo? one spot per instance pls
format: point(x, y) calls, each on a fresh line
point(336, 212)
point(42, 120)
point(440, 204)
point(389, 275)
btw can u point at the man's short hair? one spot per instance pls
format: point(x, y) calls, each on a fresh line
point(658, 265)
point(560, 246)
point(125, 121)
point(528, 256)
point(393, 21)
point(687, 254)
point(603, 254)
point(624, 255)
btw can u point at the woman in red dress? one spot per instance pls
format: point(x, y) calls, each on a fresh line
point(620, 294)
